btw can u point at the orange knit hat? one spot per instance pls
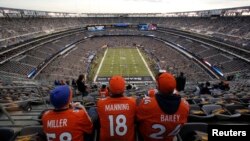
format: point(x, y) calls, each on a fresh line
point(117, 84)
point(166, 83)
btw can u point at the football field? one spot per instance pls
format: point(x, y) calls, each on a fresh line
point(128, 62)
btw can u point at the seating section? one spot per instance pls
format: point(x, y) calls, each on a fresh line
point(232, 30)
point(26, 62)
point(227, 63)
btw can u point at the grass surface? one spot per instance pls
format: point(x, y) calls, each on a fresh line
point(123, 61)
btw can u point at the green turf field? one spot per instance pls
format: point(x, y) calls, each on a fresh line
point(123, 61)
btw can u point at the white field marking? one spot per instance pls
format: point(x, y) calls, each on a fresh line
point(120, 69)
point(98, 70)
point(146, 65)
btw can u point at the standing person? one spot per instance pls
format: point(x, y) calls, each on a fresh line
point(181, 82)
point(65, 122)
point(81, 85)
point(117, 113)
point(161, 117)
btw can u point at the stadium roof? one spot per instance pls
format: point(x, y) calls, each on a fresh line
point(122, 6)
point(22, 13)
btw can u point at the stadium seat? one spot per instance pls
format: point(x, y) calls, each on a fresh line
point(232, 108)
point(208, 109)
point(6, 134)
point(244, 111)
point(245, 101)
point(219, 112)
point(229, 96)
point(189, 128)
point(31, 132)
point(197, 114)
point(216, 101)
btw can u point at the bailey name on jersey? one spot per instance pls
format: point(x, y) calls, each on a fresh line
point(170, 118)
point(116, 107)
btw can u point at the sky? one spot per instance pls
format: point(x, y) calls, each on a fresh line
point(122, 6)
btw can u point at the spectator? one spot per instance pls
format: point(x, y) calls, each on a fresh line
point(181, 82)
point(81, 85)
point(73, 84)
point(129, 87)
point(67, 82)
point(103, 92)
point(224, 85)
point(206, 89)
point(134, 87)
point(152, 92)
point(62, 82)
point(198, 88)
point(117, 113)
point(65, 122)
point(56, 83)
point(161, 117)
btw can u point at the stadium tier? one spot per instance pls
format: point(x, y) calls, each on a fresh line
point(40, 50)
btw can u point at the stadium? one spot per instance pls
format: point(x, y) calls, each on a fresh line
point(210, 47)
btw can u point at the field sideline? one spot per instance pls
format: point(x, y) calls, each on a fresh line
point(122, 61)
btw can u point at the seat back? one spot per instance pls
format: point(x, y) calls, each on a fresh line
point(194, 107)
point(34, 132)
point(214, 100)
point(209, 108)
point(31, 130)
point(232, 108)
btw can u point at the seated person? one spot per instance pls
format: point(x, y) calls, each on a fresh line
point(162, 116)
point(65, 121)
point(116, 113)
point(104, 92)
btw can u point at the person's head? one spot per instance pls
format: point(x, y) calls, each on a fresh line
point(181, 74)
point(166, 83)
point(61, 96)
point(207, 84)
point(116, 85)
point(80, 77)
point(103, 86)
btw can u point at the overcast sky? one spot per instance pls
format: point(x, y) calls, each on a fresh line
point(122, 6)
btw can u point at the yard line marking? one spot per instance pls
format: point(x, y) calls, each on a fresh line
point(146, 64)
point(98, 70)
